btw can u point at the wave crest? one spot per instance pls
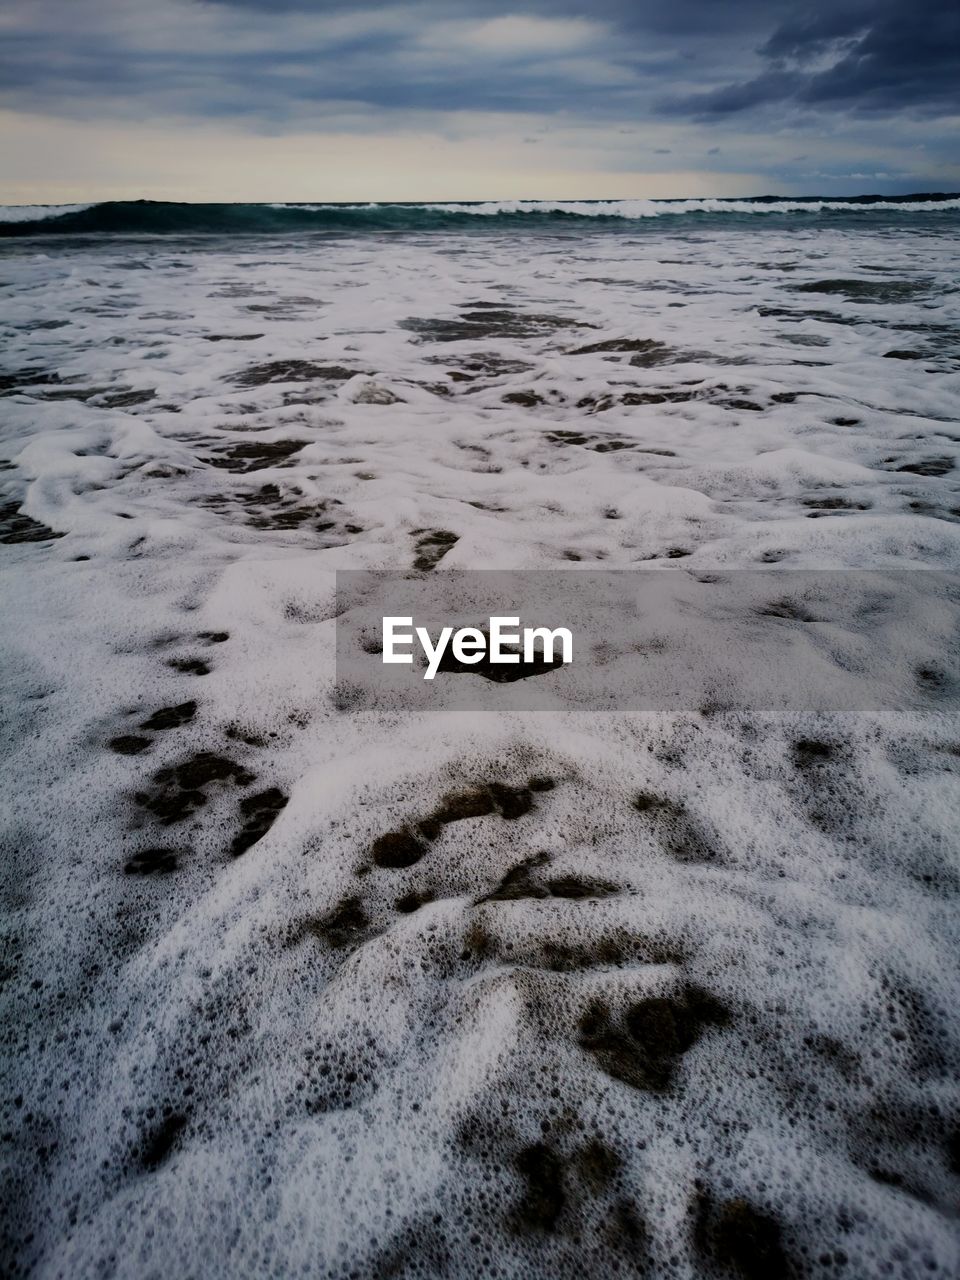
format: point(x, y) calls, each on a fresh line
point(154, 217)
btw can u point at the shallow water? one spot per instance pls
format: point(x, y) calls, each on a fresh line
point(293, 990)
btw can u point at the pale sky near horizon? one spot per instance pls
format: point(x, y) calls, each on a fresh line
point(430, 100)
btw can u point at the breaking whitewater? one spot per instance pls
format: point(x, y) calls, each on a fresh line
point(291, 988)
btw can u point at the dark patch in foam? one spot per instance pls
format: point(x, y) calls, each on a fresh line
point(261, 375)
point(158, 1145)
point(243, 458)
point(403, 848)
point(543, 1198)
point(608, 400)
point(29, 377)
point(892, 1141)
point(809, 752)
point(739, 1238)
point(646, 352)
point(149, 862)
point(826, 786)
point(511, 802)
point(870, 291)
point(790, 610)
point(347, 925)
point(574, 886)
point(189, 666)
point(493, 322)
point(932, 679)
point(600, 442)
point(407, 903)
point(680, 835)
point(539, 782)
point(16, 527)
point(482, 364)
point(643, 1048)
point(736, 403)
point(231, 337)
point(432, 546)
point(125, 399)
point(797, 315)
point(458, 806)
point(259, 813)
point(524, 399)
point(598, 1164)
point(397, 849)
point(179, 790)
point(524, 881)
point(100, 397)
point(247, 736)
point(283, 306)
point(268, 509)
point(171, 717)
point(937, 465)
point(519, 882)
point(821, 505)
point(128, 745)
point(419, 1248)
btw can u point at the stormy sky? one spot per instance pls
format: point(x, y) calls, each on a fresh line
point(312, 99)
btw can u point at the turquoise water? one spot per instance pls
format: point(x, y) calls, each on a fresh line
point(153, 217)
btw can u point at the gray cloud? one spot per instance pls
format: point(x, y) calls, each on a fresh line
point(428, 55)
point(887, 58)
point(658, 65)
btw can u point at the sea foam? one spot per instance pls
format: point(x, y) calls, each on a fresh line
point(292, 989)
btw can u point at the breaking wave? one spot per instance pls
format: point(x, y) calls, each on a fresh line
point(154, 217)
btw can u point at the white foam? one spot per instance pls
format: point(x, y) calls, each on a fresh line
point(39, 212)
point(632, 209)
point(263, 1064)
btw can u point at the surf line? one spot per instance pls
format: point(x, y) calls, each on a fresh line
point(471, 644)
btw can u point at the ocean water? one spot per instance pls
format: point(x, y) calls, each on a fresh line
point(157, 217)
point(295, 989)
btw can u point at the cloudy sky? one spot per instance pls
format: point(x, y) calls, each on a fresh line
point(449, 99)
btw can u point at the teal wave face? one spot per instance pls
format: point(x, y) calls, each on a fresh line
point(158, 218)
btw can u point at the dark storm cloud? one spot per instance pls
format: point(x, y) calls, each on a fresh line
point(888, 57)
point(283, 61)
